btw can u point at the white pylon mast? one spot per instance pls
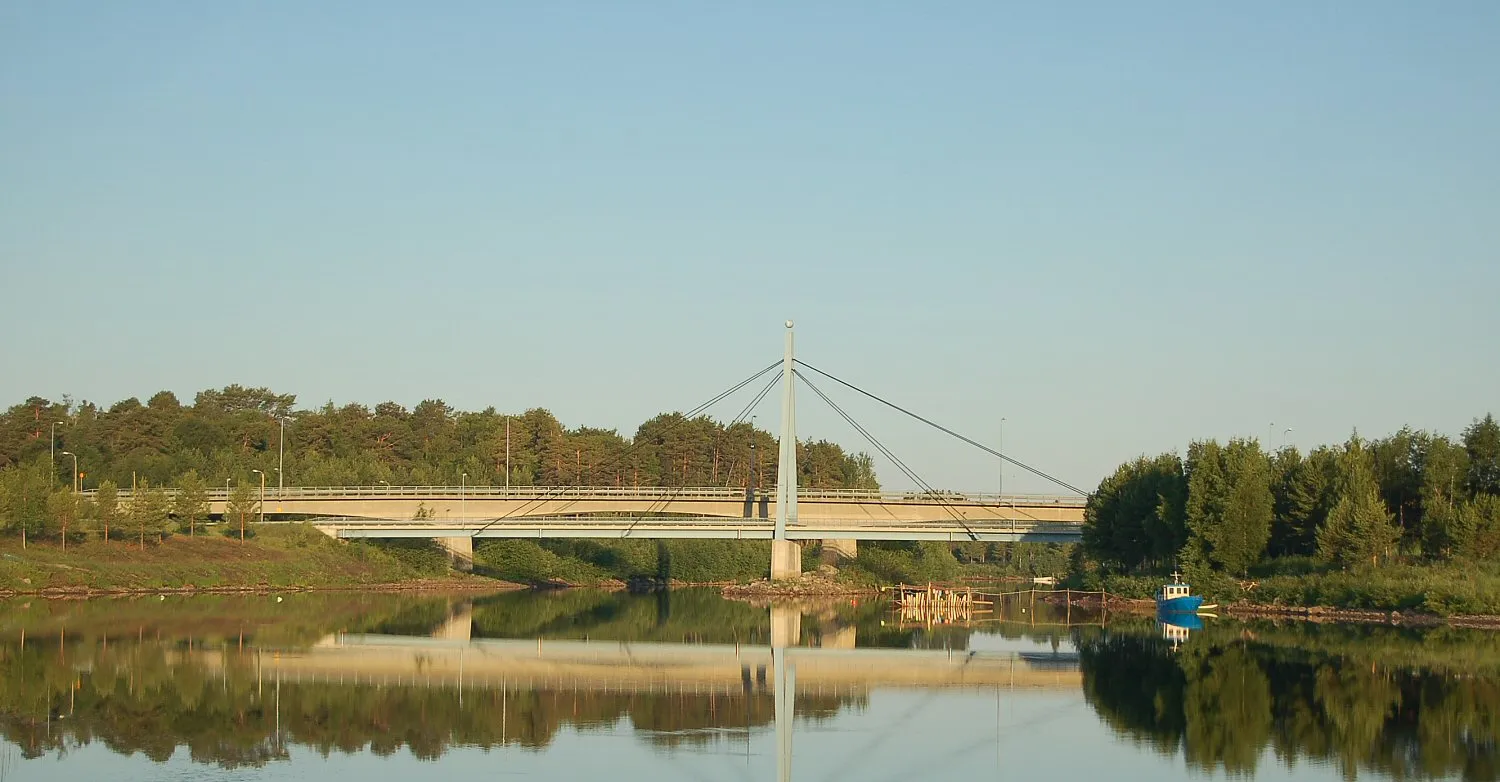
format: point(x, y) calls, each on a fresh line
point(786, 463)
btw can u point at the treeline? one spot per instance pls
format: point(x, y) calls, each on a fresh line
point(1231, 509)
point(226, 434)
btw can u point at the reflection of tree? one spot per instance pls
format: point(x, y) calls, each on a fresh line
point(1224, 698)
point(1136, 688)
point(1227, 706)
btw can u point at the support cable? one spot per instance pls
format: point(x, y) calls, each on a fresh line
point(557, 491)
point(672, 495)
point(924, 485)
point(946, 430)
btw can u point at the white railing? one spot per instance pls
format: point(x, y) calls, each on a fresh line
point(336, 493)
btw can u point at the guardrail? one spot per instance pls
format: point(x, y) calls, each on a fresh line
point(634, 493)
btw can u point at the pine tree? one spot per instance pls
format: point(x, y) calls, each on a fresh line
point(1229, 503)
point(106, 508)
point(1360, 528)
point(1482, 441)
point(241, 505)
point(190, 505)
point(62, 510)
point(150, 509)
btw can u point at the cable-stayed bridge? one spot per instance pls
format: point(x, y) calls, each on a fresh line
point(839, 518)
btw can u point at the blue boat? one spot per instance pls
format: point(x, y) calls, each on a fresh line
point(1177, 598)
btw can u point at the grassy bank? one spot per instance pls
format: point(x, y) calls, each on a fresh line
point(287, 556)
point(589, 562)
point(1448, 589)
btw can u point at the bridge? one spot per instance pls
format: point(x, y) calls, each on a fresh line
point(838, 518)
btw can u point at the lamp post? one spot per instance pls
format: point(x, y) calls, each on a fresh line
point(52, 434)
point(74, 482)
point(463, 482)
point(262, 501)
point(1284, 433)
point(507, 452)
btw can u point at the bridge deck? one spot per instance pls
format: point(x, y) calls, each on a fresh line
point(652, 527)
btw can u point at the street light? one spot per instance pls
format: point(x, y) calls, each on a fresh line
point(463, 482)
point(52, 432)
point(74, 482)
point(507, 452)
point(1283, 436)
point(262, 500)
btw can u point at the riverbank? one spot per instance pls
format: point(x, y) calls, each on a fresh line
point(1243, 609)
point(280, 558)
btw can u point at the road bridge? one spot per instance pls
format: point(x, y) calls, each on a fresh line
point(452, 503)
point(705, 528)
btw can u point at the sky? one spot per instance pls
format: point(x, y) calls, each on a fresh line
point(1118, 227)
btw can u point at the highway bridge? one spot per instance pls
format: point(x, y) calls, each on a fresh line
point(455, 503)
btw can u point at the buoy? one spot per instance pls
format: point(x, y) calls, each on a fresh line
point(161, 597)
point(278, 598)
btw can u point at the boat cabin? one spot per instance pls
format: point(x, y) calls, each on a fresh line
point(1169, 591)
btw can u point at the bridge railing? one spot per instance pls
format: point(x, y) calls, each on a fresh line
point(635, 493)
point(649, 522)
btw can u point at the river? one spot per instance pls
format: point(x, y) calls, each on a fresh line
point(689, 686)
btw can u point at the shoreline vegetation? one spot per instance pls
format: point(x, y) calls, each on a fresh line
point(1408, 524)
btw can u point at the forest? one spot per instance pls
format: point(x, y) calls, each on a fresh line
point(225, 434)
point(1234, 516)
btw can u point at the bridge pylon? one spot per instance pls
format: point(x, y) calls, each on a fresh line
point(786, 555)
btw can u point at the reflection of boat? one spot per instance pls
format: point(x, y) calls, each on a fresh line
point(1177, 598)
point(1177, 627)
point(1181, 621)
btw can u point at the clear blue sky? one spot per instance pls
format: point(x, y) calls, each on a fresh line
point(1119, 226)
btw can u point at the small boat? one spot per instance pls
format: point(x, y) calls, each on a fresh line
point(1177, 598)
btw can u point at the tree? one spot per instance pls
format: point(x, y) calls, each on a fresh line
point(1482, 442)
point(106, 507)
point(1445, 468)
point(62, 510)
point(190, 505)
point(1360, 527)
point(23, 499)
point(1483, 514)
point(150, 509)
point(242, 503)
point(1397, 462)
point(1134, 519)
point(1229, 504)
point(1302, 490)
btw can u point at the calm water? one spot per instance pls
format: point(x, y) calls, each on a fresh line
point(687, 686)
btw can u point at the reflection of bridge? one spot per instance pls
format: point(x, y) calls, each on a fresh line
point(639, 667)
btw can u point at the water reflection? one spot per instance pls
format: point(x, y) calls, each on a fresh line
point(246, 682)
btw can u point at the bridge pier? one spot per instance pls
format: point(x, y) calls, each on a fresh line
point(836, 551)
point(786, 560)
point(460, 552)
